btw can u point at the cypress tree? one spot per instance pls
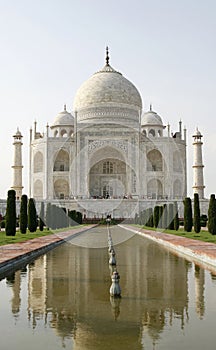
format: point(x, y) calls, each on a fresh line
point(188, 220)
point(164, 217)
point(160, 216)
point(32, 215)
point(212, 215)
point(171, 216)
point(10, 218)
point(41, 219)
point(176, 217)
point(48, 215)
point(196, 220)
point(23, 214)
point(156, 215)
point(79, 217)
point(150, 222)
point(210, 212)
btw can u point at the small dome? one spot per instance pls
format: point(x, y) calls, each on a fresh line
point(151, 118)
point(63, 118)
point(197, 133)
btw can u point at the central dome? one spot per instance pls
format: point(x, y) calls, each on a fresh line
point(107, 90)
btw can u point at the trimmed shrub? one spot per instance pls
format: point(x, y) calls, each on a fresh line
point(10, 218)
point(32, 215)
point(176, 217)
point(164, 216)
point(171, 216)
point(156, 215)
point(196, 220)
point(41, 218)
point(188, 220)
point(212, 215)
point(160, 223)
point(23, 220)
point(149, 215)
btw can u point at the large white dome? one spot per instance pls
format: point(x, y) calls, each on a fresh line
point(107, 87)
point(106, 95)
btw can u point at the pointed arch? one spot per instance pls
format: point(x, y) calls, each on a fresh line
point(154, 160)
point(61, 189)
point(38, 162)
point(38, 189)
point(61, 162)
point(177, 189)
point(154, 189)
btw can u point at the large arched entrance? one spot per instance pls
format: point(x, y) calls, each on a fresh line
point(108, 176)
point(107, 179)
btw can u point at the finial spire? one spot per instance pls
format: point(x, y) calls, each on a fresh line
point(150, 107)
point(65, 107)
point(107, 56)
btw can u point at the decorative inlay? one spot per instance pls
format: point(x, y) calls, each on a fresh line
point(95, 144)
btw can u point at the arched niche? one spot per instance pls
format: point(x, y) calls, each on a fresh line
point(61, 162)
point(177, 189)
point(38, 189)
point(177, 162)
point(38, 162)
point(61, 189)
point(154, 161)
point(154, 189)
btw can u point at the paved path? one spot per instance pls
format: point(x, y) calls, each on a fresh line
point(203, 253)
point(17, 254)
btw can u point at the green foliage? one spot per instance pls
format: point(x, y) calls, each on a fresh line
point(212, 215)
point(10, 218)
point(160, 223)
point(203, 220)
point(48, 215)
point(171, 216)
point(188, 220)
point(165, 217)
point(156, 215)
point(75, 217)
point(23, 220)
point(79, 218)
point(176, 217)
point(196, 220)
point(149, 215)
point(41, 217)
point(32, 215)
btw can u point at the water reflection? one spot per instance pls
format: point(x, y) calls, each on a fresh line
point(68, 291)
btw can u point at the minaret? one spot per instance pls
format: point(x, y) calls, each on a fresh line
point(198, 183)
point(17, 165)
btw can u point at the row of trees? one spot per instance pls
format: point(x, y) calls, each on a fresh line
point(55, 217)
point(194, 220)
point(162, 216)
point(166, 216)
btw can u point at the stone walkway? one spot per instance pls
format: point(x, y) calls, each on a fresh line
point(202, 253)
point(17, 254)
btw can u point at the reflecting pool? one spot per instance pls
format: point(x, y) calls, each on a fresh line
point(62, 301)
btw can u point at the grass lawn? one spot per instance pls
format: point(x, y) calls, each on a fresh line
point(21, 237)
point(203, 235)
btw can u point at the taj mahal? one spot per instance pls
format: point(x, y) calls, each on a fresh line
point(110, 154)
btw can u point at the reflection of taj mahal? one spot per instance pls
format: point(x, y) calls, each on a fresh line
point(108, 148)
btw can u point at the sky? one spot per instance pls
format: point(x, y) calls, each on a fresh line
point(48, 48)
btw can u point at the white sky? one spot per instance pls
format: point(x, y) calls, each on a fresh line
point(49, 47)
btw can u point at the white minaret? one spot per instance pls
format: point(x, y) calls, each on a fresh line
point(198, 183)
point(17, 165)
